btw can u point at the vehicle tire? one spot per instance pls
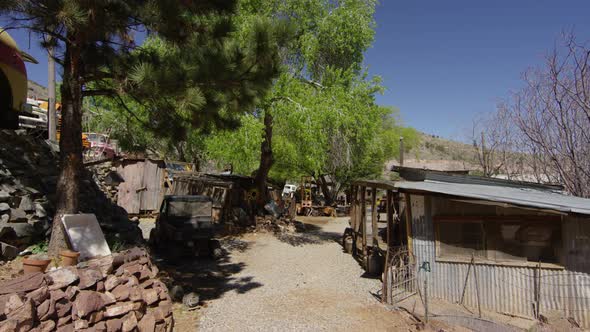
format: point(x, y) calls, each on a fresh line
point(152, 241)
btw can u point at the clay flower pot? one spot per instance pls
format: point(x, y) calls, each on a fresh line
point(32, 265)
point(69, 257)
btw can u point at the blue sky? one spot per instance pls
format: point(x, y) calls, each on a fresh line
point(444, 62)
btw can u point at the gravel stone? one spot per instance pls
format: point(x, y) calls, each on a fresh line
point(299, 282)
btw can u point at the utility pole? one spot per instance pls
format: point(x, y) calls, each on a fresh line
point(51, 115)
point(401, 151)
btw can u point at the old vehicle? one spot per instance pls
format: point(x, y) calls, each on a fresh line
point(100, 146)
point(185, 227)
point(13, 80)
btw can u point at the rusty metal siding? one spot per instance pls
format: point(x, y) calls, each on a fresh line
point(508, 289)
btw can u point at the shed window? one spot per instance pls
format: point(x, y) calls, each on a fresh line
point(499, 239)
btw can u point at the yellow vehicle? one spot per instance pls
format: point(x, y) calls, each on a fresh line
point(13, 80)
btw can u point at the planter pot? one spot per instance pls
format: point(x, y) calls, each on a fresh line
point(32, 265)
point(69, 257)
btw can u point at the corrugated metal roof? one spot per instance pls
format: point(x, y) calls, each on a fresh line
point(536, 198)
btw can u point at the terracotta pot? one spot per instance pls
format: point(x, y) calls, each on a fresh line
point(69, 257)
point(32, 265)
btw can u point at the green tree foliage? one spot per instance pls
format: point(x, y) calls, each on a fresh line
point(322, 110)
point(192, 75)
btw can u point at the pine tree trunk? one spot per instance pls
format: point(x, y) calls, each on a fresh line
point(70, 144)
point(266, 161)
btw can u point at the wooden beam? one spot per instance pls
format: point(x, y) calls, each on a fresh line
point(374, 225)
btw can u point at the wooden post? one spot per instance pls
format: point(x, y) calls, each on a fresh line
point(363, 220)
point(389, 208)
point(409, 224)
point(385, 293)
point(374, 225)
point(476, 286)
point(538, 290)
point(352, 208)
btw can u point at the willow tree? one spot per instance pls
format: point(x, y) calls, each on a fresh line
point(98, 55)
point(329, 37)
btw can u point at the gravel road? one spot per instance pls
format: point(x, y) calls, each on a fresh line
point(302, 282)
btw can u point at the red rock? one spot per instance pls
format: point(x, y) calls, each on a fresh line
point(108, 298)
point(23, 284)
point(144, 274)
point(147, 284)
point(63, 307)
point(71, 292)
point(154, 271)
point(147, 323)
point(121, 292)
point(150, 296)
point(169, 323)
point(135, 294)
point(46, 326)
point(100, 286)
point(160, 327)
point(66, 328)
point(87, 302)
point(62, 277)
point(24, 316)
point(129, 322)
point(103, 264)
point(39, 295)
point(111, 282)
point(46, 310)
point(80, 324)
point(57, 294)
point(64, 320)
point(119, 309)
point(96, 317)
point(8, 325)
point(100, 327)
point(14, 302)
point(139, 306)
point(89, 277)
point(132, 281)
point(114, 325)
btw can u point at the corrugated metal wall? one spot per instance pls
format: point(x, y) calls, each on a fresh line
point(508, 289)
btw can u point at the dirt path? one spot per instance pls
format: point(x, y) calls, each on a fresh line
point(297, 282)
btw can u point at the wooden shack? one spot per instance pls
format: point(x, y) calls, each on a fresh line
point(143, 187)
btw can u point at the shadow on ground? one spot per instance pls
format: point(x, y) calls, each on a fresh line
point(306, 234)
point(209, 278)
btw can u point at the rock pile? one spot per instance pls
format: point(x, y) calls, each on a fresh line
point(28, 179)
point(107, 179)
point(116, 293)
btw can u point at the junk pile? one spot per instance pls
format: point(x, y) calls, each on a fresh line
point(284, 224)
point(113, 293)
point(28, 179)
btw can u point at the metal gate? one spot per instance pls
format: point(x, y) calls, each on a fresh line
point(399, 280)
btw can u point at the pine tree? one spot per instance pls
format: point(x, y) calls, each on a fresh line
point(200, 70)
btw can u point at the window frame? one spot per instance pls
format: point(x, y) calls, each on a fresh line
point(482, 220)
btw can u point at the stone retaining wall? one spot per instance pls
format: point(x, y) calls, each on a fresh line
point(116, 293)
